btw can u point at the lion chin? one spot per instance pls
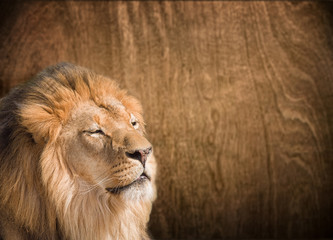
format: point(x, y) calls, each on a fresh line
point(74, 159)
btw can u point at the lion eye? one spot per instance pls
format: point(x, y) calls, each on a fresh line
point(97, 131)
point(135, 124)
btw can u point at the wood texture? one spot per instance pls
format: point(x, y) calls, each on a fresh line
point(237, 99)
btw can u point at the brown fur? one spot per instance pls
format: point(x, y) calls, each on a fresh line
point(55, 168)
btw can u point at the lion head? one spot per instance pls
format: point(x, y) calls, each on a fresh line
point(75, 162)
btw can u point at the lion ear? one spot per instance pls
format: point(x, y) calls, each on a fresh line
point(41, 122)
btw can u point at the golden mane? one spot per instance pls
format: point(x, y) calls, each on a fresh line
point(38, 192)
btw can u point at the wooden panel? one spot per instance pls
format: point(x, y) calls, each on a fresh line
point(237, 98)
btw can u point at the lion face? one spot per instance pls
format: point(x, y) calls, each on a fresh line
point(74, 158)
point(106, 149)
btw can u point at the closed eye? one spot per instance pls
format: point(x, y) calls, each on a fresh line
point(97, 131)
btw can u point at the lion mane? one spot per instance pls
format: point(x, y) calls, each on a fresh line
point(70, 141)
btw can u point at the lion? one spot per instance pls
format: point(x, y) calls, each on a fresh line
point(74, 159)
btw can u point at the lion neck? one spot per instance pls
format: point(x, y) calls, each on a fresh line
point(96, 215)
point(100, 215)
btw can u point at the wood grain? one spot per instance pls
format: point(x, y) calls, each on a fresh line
point(237, 99)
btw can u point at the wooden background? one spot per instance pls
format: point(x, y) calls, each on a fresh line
point(237, 97)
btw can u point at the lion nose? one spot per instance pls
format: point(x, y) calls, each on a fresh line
point(140, 154)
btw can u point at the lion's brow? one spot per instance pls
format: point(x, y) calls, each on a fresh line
point(112, 104)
